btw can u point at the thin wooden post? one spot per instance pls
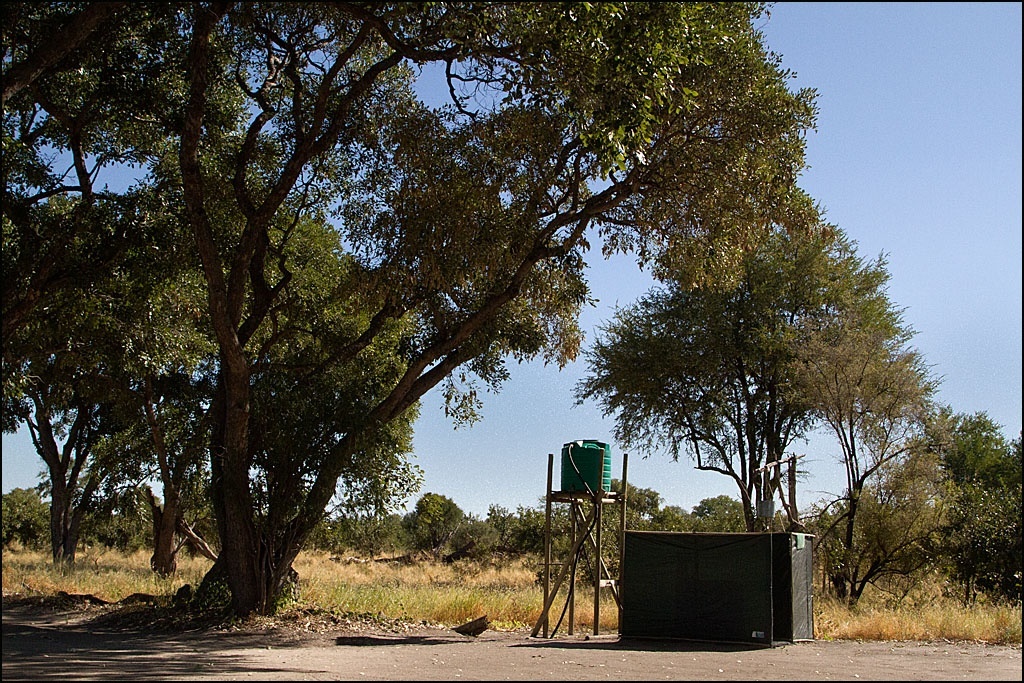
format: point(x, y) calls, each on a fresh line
point(547, 542)
point(573, 521)
point(598, 507)
point(622, 533)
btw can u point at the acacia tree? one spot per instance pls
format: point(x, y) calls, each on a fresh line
point(897, 533)
point(872, 390)
point(712, 369)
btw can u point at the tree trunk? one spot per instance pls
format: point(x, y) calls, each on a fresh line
point(838, 580)
point(165, 523)
point(265, 583)
point(66, 520)
point(240, 555)
point(60, 524)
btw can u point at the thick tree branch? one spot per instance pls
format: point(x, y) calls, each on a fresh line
point(75, 31)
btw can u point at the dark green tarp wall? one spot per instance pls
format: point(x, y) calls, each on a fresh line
point(739, 587)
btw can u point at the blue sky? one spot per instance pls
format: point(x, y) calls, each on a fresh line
point(917, 154)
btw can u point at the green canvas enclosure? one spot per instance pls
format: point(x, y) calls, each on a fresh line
point(734, 587)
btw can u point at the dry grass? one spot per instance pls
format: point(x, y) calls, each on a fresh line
point(107, 574)
point(424, 590)
point(504, 589)
point(945, 620)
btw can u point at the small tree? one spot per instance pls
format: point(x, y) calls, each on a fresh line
point(896, 534)
point(719, 514)
point(982, 536)
point(65, 426)
point(434, 521)
point(25, 518)
point(521, 531)
point(873, 391)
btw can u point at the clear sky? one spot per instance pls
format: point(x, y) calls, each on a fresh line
point(917, 154)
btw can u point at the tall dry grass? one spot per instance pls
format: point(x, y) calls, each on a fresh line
point(505, 589)
point(425, 590)
point(947, 620)
point(107, 574)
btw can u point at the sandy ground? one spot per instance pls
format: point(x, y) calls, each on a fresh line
point(75, 645)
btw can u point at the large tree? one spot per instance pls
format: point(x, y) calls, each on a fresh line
point(711, 369)
point(460, 233)
point(471, 225)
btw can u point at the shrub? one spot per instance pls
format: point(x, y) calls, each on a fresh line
point(26, 518)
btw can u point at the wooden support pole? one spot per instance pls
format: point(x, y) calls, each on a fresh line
point(574, 518)
point(598, 508)
point(622, 533)
point(547, 543)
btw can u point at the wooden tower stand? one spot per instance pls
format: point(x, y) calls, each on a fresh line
point(585, 522)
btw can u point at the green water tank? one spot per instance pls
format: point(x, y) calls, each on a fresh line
point(586, 466)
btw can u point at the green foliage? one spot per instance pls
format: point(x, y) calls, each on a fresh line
point(518, 532)
point(892, 538)
point(434, 522)
point(975, 451)
point(213, 594)
point(371, 535)
point(69, 216)
point(719, 514)
point(982, 536)
point(714, 370)
point(475, 536)
point(674, 518)
point(355, 247)
point(123, 522)
point(983, 541)
point(26, 518)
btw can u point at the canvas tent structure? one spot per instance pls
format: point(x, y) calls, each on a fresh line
point(726, 587)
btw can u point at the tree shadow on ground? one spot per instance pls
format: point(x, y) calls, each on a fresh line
point(384, 640)
point(43, 643)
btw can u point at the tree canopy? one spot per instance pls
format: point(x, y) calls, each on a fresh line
point(357, 245)
point(716, 370)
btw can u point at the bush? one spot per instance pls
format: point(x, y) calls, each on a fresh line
point(26, 519)
point(434, 521)
point(371, 535)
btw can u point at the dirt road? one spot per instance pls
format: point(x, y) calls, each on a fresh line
point(70, 645)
